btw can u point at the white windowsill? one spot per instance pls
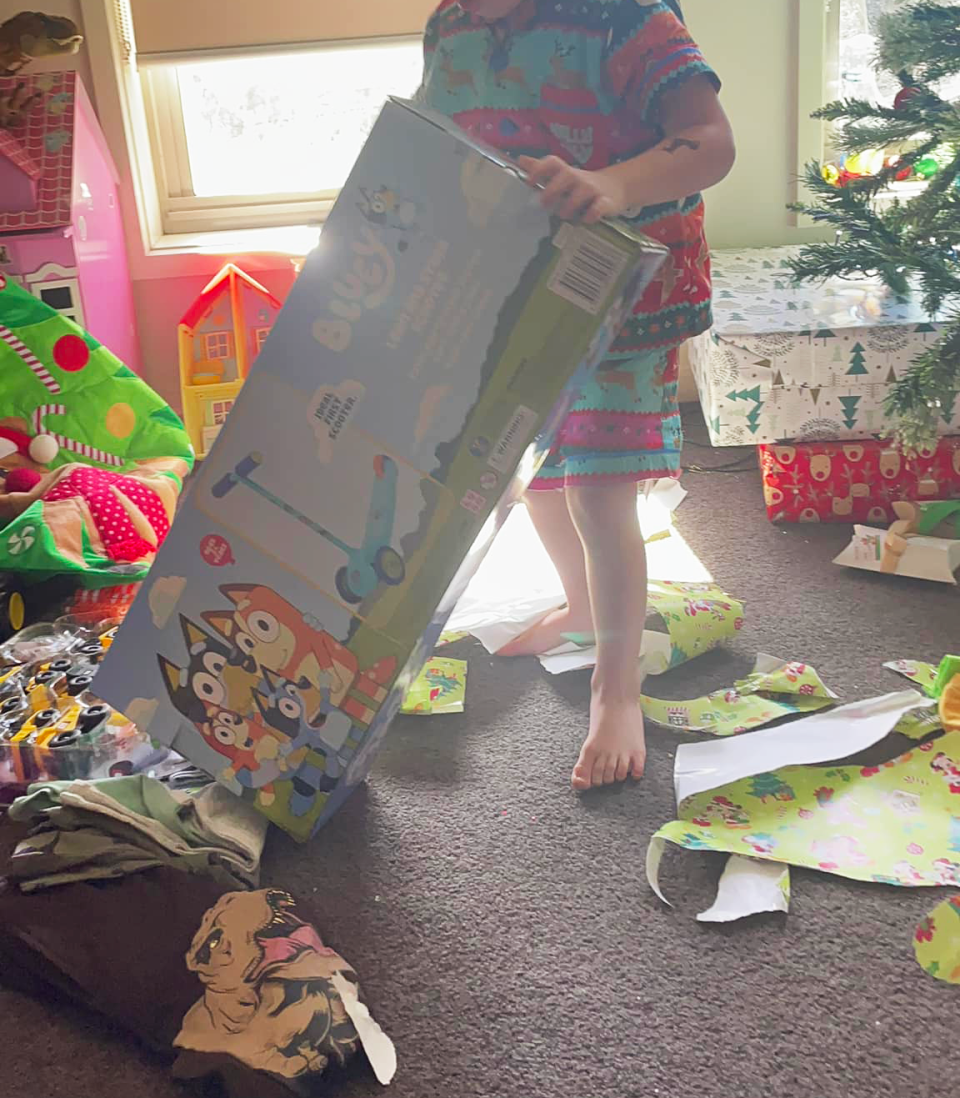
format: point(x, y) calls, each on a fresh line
point(292, 241)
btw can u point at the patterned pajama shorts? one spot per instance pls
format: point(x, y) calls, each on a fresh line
point(623, 426)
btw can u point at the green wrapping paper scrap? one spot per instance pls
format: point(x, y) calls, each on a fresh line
point(897, 823)
point(698, 617)
point(936, 942)
point(441, 688)
point(775, 689)
point(923, 674)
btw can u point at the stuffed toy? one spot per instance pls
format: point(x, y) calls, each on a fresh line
point(91, 459)
point(32, 34)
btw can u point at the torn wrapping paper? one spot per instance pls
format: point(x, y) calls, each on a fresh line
point(898, 823)
point(774, 689)
point(749, 886)
point(440, 688)
point(823, 737)
point(921, 722)
point(923, 674)
point(697, 617)
point(451, 636)
point(937, 941)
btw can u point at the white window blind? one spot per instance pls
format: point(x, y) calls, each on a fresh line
point(167, 30)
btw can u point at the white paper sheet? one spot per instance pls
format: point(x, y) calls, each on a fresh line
point(748, 886)
point(380, 1050)
point(823, 737)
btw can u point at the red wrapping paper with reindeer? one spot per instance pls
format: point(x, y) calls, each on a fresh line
point(854, 481)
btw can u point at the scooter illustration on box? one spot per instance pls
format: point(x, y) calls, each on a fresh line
point(375, 560)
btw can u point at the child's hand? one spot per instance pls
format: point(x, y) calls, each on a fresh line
point(573, 193)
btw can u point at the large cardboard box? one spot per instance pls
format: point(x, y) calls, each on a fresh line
point(328, 534)
point(786, 363)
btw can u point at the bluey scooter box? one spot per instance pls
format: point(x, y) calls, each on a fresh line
point(366, 466)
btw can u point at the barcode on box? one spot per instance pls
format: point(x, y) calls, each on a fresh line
point(511, 444)
point(587, 270)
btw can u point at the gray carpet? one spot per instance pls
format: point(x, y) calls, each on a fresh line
point(503, 928)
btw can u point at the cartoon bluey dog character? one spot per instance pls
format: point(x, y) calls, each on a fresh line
point(275, 634)
point(217, 674)
point(215, 693)
point(387, 207)
point(268, 995)
point(282, 709)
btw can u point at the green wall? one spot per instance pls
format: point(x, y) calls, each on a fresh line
point(756, 47)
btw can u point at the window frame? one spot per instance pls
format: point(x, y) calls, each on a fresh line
point(180, 210)
point(224, 341)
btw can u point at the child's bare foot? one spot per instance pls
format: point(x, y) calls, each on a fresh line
point(614, 749)
point(548, 633)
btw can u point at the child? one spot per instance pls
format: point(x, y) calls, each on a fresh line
point(611, 109)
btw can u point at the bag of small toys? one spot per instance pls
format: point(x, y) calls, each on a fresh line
point(52, 724)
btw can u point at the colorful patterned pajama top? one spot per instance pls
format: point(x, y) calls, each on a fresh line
point(582, 80)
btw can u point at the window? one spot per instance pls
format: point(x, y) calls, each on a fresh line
point(219, 410)
point(267, 138)
point(219, 345)
point(259, 338)
point(858, 37)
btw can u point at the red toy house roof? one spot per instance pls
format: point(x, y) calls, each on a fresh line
point(12, 150)
point(219, 285)
point(46, 139)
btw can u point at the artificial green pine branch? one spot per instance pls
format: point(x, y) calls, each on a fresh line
point(923, 39)
point(912, 242)
point(930, 386)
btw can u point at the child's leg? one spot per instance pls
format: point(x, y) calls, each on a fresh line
point(551, 519)
point(616, 567)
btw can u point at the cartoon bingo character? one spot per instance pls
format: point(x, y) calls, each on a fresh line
point(216, 692)
point(251, 750)
point(275, 634)
point(948, 769)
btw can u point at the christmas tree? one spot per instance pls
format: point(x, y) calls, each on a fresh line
point(913, 242)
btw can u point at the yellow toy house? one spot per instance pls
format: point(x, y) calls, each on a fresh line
point(221, 335)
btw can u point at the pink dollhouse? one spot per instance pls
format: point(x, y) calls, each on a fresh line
point(61, 236)
point(220, 336)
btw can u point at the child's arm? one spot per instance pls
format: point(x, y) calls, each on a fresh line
point(696, 152)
